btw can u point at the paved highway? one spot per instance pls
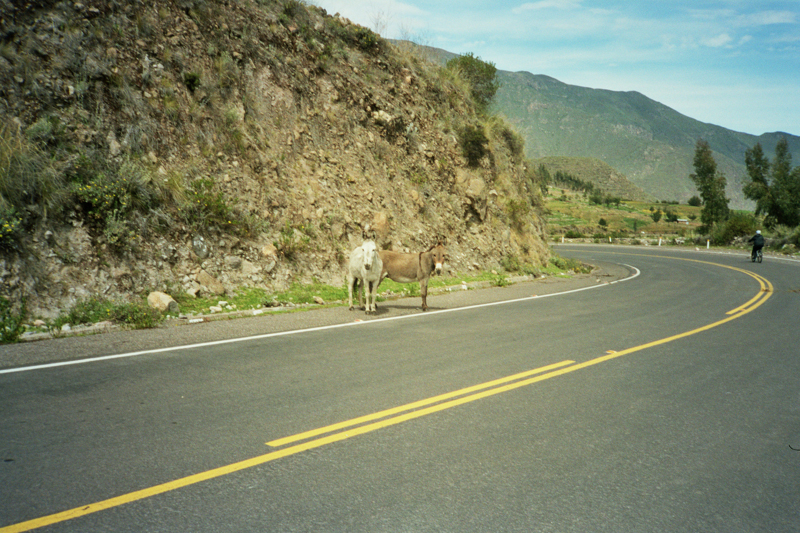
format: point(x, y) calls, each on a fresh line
point(667, 400)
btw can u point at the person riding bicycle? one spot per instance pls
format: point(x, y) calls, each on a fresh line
point(758, 243)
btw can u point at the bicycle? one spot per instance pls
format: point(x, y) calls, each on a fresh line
point(757, 256)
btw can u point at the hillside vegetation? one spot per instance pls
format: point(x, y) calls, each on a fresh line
point(195, 147)
point(600, 174)
point(572, 215)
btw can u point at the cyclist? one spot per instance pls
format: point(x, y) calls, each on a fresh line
point(758, 243)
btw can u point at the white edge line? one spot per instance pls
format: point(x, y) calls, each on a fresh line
point(307, 330)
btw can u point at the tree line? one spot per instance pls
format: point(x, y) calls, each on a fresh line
point(773, 185)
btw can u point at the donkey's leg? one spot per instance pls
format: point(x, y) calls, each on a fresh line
point(374, 292)
point(350, 281)
point(423, 290)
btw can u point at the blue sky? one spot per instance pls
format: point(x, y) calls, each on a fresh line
point(731, 63)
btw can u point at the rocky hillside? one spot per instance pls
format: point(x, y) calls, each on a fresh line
point(201, 146)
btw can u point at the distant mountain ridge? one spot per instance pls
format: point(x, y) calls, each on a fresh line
point(651, 144)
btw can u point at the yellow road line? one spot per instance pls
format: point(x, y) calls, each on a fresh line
point(255, 461)
point(415, 405)
point(505, 384)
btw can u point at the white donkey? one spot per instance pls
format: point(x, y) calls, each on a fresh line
point(366, 267)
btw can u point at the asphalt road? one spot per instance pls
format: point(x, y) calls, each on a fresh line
point(665, 400)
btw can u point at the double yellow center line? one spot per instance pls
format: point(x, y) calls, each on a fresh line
point(358, 426)
point(424, 407)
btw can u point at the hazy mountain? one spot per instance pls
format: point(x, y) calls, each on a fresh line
point(652, 144)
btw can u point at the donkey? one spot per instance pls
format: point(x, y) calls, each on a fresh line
point(408, 268)
point(365, 266)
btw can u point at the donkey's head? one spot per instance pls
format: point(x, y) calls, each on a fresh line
point(369, 253)
point(438, 254)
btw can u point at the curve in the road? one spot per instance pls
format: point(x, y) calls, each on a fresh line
point(359, 426)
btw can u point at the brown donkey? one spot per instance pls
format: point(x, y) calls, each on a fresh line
point(408, 268)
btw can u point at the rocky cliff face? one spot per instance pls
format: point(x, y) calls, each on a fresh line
point(236, 143)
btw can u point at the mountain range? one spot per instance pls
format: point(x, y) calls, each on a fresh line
point(650, 143)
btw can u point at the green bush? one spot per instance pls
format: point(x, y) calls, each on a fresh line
point(30, 185)
point(206, 207)
point(481, 75)
point(11, 321)
point(292, 9)
point(191, 80)
point(46, 131)
point(565, 263)
point(737, 225)
point(366, 39)
point(596, 197)
point(474, 144)
point(227, 71)
point(87, 311)
point(511, 263)
point(92, 310)
point(292, 241)
point(512, 139)
point(103, 196)
point(518, 210)
point(500, 281)
point(110, 195)
point(10, 232)
point(137, 315)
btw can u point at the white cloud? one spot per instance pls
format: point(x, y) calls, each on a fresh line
point(767, 18)
point(716, 42)
point(546, 4)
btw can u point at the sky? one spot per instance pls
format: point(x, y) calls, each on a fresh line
point(733, 63)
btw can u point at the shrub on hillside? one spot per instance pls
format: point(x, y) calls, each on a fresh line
point(481, 75)
point(737, 225)
point(30, 186)
point(518, 210)
point(596, 197)
point(566, 264)
point(11, 321)
point(10, 232)
point(94, 309)
point(512, 139)
point(474, 144)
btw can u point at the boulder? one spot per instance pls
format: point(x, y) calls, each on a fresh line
point(210, 282)
point(270, 255)
point(162, 302)
point(200, 247)
point(380, 225)
point(233, 262)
